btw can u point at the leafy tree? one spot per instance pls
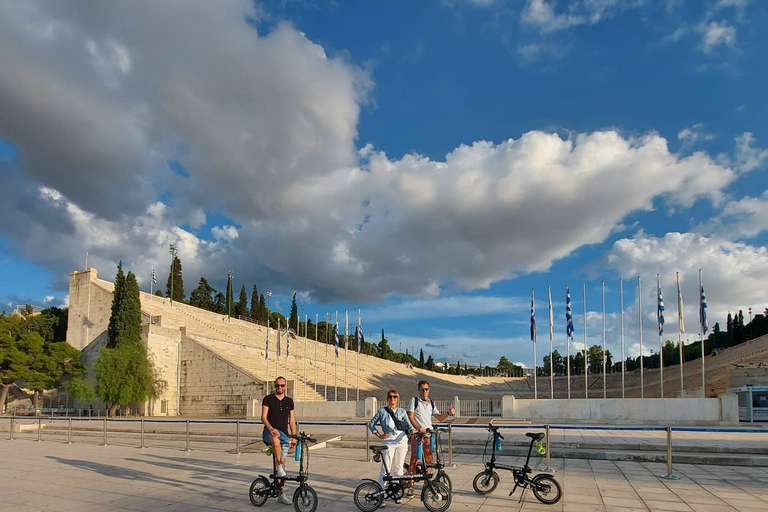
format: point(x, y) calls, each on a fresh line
point(505, 366)
point(558, 363)
point(178, 281)
point(421, 358)
point(255, 313)
point(263, 312)
point(158, 293)
point(384, 351)
point(242, 305)
point(128, 316)
point(116, 297)
point(458, 367)
point(596, 359)
point(202, 296)
point(295, 314)
point(220, 303)
point(430, 364)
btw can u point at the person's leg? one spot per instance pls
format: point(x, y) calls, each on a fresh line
point(427, 454)
point(276, 440)
point(386, 462)
point(398, 459)
point(414, 443)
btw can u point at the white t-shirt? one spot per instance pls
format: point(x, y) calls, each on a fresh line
point(423, 411)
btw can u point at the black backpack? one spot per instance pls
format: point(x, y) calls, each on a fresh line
point(416, 402)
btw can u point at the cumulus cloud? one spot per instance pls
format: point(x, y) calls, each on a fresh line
point(748, 157)
point(694, 133)
point(97, 101)
point(716, 33)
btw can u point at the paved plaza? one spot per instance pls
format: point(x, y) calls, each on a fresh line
point(51, 475)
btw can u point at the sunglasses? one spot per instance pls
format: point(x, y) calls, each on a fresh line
point(424, 389)
point(279, 385)
point(392, 396)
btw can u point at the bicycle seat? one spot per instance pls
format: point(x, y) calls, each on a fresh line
point(536, 436)
point(379, 448)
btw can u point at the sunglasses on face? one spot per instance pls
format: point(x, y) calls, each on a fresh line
point(279, 385)
point(390, 397)
point(424, 390)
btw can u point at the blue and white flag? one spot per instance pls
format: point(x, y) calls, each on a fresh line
point(336, 339)
point(266, 352)
point(278, 341)
point(703, 311)
point(533, 319)
point(360, 329)
point(660, 313)
point(680, 309)
point(568, 314)
point(154, 279)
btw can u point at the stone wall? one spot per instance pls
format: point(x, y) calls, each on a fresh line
point(163, 349)
point(212, 386)
point(89, 308)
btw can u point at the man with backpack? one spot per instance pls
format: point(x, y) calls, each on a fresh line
point(420, 411)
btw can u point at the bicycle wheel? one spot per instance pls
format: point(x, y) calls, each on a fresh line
point(259, 491)
point(364, 499)
point(546, 489)
point(443, 478)
point(438, 499)
point(305, 499)
point(485, 482)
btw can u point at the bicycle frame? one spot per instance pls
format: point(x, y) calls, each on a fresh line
point(519, 473)
point(422, 475)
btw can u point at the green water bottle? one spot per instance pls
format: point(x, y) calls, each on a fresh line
point(269, 450)
point(540, 448)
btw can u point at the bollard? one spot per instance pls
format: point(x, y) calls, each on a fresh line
point(142, 433)
point(549, 466)
point(69, 432)
point(237, 437)
point(39, 429)
point(670, 475)
point(450, 447)
point(187, 449)
point(104, 431)
point(12, 422)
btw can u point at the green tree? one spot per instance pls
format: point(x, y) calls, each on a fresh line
point(117, 294)
point(384, 351)
point(421, 358)
point(294, 314)
point(128, 316)
point(242, 305)
point(505, 366)
point(202, 296)
point(255, 313)
point(178, 281)
point(230, 296)
point(458, 367)
point(263, 312)
point(158, 293)
point(430, 364)
point(220, 303)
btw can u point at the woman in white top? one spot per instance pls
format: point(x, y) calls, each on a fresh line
point(395, 438)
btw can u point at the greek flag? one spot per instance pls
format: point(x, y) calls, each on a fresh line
point(680, 318)
point(360, 341)
point(551, 317)
point(154, 279)
point(703, 311)
point(568, 314)
point(660, 313)
point(336, 339)
point(278, 341)
point(533, 319)
point(266, 352)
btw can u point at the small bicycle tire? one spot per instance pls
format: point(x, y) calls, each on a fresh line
point(443, 478)
point(546, 489)
point(485, 482)
point(437, 499)
point(259, 492)
point(363, 499)
point(305, 499)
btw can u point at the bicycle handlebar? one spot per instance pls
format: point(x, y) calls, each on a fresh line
point(304, 437)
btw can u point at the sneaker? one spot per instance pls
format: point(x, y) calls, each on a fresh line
point(280, 473)
point(383, 504)
point(398, 501)
point(409, 493)
point(283, 499)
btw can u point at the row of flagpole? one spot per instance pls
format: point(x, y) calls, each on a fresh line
point(278, 352)
point(569, 329)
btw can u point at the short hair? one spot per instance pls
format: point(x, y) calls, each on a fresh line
point(422, 382)
point(281, 377)
point(393, 392)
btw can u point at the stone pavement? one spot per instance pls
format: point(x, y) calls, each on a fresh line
point(85, 477)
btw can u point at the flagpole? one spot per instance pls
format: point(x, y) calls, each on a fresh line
point(533, 339)
point(604, 355)
point(327, 342)
point(359, 333)
point(317, 336)
point(640, 323)
point(336, 361)
point(568, 334)
point(346, 351)
point(586, 352)
point(279, 349)
point(680, 329)
point(659, 318)
point(305, 355)
point(269, 294)
point(702, 326)
point(551, 346)
point(151, 280)
point(621, 301)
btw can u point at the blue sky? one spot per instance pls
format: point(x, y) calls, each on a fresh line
point(429, 163)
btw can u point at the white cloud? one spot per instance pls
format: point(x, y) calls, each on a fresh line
point(745, 218)
point(716, 33)
point(543, 14)
point(446, 307)
point(694, 133)
point(226, 233)
point(749, 158)
point(48, 298)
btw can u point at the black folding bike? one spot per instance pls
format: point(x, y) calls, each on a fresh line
point(436, 496)
point(304, 498)
point(437, 461)
point(544, 486)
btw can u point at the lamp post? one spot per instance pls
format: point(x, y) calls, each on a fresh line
point(173, 267)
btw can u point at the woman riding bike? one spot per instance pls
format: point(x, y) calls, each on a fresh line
point(394, 425)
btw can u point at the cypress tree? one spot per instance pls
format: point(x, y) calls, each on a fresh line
point(116, 295)
point(128, 318)
point(242, 305)
point(421, 358)
point(262, 308)
point(202, 296)
point(230, 296)
point(294, 320)
point(178, 281)
point(255, 313)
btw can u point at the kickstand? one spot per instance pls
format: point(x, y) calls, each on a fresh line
point(522, 494)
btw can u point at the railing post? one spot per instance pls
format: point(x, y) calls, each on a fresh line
point(104, 431)
point(237, 437)
point(670, 475)
point(450, 446)
point(39, 428)
point(69, 431)
point(187, 449)
point(12, 422)
point(367, 444)
point(549, 465)
point(142, 433)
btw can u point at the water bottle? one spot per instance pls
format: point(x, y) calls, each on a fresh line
point(419, 450)
point(432, 443)
point(540, 448)
point(498, 444)
point(297, 455)
point(269, 450)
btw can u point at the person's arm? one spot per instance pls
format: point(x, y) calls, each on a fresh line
point(292, 426)
point(443, 417)
point(374, 421)
point(415, 424)
point(264, 411)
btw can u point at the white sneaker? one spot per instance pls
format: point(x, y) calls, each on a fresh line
point(283, 499)
point(280, 473)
